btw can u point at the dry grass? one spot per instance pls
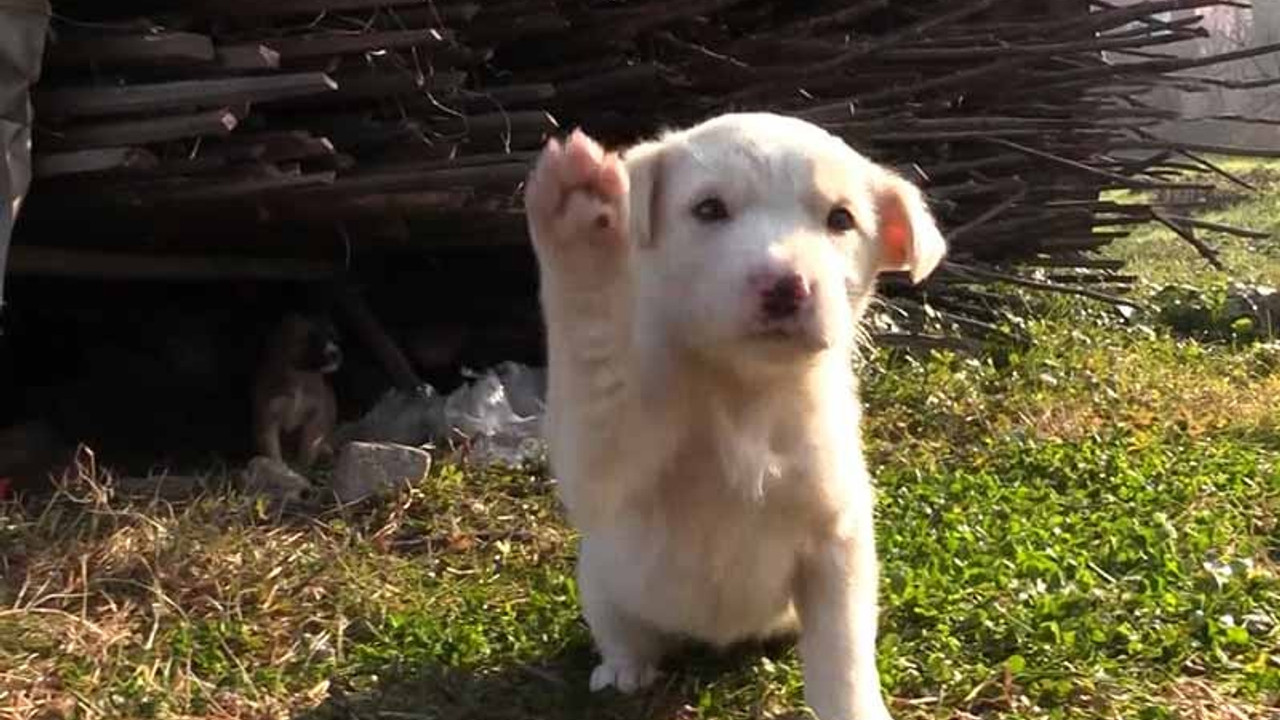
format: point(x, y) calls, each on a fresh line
point(210, 605)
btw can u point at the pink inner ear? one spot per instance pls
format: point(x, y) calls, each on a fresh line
point(896, 236)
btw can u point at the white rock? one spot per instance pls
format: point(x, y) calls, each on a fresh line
point(367, 469)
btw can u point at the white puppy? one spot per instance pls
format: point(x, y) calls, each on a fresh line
point(702, 297)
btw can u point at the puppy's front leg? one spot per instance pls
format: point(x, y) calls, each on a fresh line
point(313, 443)
point(629, 648)
point(268, 441)
point(576, 203)
point(836, 599)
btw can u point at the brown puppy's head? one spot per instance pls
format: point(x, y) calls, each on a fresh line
point(310, 344)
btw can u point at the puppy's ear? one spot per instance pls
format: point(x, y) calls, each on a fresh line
point(644, 170)
point(908, 235)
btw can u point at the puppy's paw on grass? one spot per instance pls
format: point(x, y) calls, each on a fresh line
point(625, 677)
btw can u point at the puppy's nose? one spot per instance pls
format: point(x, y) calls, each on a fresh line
point(785, 297)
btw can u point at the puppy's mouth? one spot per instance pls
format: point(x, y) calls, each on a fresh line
point(794, 335)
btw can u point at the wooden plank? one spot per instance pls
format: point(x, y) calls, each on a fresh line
point(49, 165)
point(159, 97)
point(143, 131)
point(147, 50)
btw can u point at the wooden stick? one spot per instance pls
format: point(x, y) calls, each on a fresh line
point(627, 22)
point(149, 50)
point(378, 340)
point(246, 58)
point(1219, 227)
point(1201, 247)
point(1073, 262)
point(509, 96)
point(990, 214)
point(1038, 285)
point(101, 160)
point(505, 177)
point(822, 23)
point(271, 147)
point(114, 265)
point(1219, 171)
point(1198, 147)
point(100, 101)
point(1066, 162)
point(144, 131)
point(302, 47)
point(284, 8)
point(220, 190)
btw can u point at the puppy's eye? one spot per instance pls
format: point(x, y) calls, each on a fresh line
point(711, 210)
point(841, 220)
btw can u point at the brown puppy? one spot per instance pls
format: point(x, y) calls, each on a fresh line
point(292, 395)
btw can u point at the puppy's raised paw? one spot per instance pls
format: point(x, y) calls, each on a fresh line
point(576, 196)
point(625, 677)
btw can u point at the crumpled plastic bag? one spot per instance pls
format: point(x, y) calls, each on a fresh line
point(496, 417)
point(499, 414)
point(403, 418)
point(23, 25)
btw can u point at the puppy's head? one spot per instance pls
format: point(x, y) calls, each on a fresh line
point(761, 236)
point(311, 344)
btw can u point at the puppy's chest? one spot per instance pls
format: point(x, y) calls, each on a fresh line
point(718, 573)
point(296, 406)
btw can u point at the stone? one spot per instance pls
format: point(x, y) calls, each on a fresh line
point(264, 476)
point(368, 469)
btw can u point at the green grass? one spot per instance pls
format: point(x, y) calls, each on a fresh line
point(1089, 528)
point(1247, 260)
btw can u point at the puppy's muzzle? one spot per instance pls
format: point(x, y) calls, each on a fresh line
point(784, 295)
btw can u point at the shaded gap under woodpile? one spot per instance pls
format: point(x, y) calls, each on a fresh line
point(333, 130)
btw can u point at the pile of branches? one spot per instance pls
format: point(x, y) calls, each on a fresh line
point(394, 123)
